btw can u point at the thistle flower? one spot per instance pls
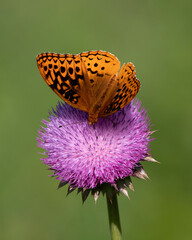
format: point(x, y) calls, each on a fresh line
point(93, 157)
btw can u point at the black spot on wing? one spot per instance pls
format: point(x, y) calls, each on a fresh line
point(70, 70)
point(69, 61)
point(93, 72)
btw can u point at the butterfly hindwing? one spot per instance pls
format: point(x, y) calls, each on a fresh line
point(128, 87)
point(101, 66)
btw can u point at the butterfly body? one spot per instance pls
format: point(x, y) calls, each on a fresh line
point(90, 81)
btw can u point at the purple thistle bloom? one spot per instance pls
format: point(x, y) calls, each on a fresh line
point(87, 156)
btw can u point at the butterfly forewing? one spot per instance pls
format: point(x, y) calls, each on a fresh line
point(64, 74)
point(128, 87)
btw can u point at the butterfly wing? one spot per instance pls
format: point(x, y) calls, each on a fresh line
point(101, 66)
point(128, 87)
point(64, 75)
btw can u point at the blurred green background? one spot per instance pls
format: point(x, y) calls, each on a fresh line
point(156, 36)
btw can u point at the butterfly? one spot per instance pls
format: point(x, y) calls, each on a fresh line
point(90, 81)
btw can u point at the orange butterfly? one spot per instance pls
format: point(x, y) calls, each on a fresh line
point(90, 81)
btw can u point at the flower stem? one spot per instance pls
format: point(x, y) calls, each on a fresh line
point(114, 220)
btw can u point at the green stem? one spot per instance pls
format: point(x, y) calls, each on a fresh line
point(114, 221)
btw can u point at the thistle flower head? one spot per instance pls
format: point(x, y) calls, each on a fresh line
point(90, 156)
